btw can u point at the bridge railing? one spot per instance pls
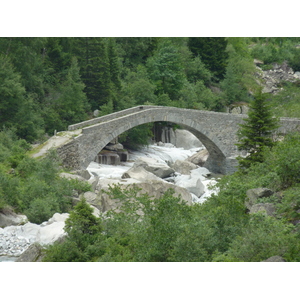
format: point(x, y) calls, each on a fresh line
point(110, 117)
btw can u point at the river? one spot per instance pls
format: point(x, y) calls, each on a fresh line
point(165, 153)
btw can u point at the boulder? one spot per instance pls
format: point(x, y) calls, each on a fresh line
point(114, 147)
point(180, 138)
point(254, 194)
point(153, 188)
point(183, 167)
point(199, 158)
point(153, 166)
point(32, 254)
point(266, 208)
point(71, 176)
point(8, 218)
point(139, 173)
point(83, 173)
point(275, 258)
point(191, 183)
point(108, 158)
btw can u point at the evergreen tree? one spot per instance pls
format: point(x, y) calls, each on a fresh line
point(166, 70)
point(256, 132)
point(72, 104)
point(212, 51)
point(95, 70)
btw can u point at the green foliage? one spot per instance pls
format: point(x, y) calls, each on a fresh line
point(136, 137)
point(166, 70)
point(33, 186)
point(256, 132)
point(262, 238)
point(212, 51)
point(287, 102)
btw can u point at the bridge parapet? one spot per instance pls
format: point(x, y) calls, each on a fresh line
point(109, 117)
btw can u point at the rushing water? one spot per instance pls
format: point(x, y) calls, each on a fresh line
point(166, 154)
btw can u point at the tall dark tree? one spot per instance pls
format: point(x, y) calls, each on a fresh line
point(212, 51)
point(95, 69)
point(256, 132)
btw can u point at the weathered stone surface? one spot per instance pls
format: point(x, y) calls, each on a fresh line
point(71, 176)
point(153, 166)
point(254, 194)
point(139, 173)
point(114, 147)
point(273, 77)
point(183, 167)
point(83, 173)
point(275, 259)
point(180, 138)
point(199, 158)
point(34, 253)
point(108, 158)
point(8, 218)
point(266, 208)
point(153, 188)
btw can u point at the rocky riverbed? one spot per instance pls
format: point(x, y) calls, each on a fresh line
point(154, 169)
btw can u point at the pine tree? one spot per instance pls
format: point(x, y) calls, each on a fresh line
point(256, 132)
point(212, 51)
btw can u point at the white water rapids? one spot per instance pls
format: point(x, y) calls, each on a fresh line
point(166, 154)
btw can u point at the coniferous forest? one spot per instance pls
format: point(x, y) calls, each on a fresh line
point(49, 83)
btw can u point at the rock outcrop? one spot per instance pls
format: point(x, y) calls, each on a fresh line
point(180, 138)
point(273, 77)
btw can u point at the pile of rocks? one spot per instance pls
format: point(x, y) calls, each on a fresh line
point(273, 77)
point(11, 244)
point(14, 240)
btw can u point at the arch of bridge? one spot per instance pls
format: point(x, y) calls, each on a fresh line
point(217, 132)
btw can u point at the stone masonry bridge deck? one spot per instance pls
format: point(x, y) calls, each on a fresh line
point(216, 131)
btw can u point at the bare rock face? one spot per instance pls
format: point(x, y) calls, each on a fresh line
point(199, 158)
point(8, 218)
point(108, 158)
point(254, 194)
point(275, 259)
point(266, 208)
point(139, 173)
point(34, 253)
point(71, 176)
point(153, 166)
point(153, 188)
point(183, 167)
point(180, 138)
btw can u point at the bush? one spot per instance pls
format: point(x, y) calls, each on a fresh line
point(262, 238)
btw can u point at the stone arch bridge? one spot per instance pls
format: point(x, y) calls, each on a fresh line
point(216, 131)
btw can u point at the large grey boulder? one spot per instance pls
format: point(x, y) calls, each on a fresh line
point(153, 188)
point(265, 208)
point(34, 253)
point(139, 173)
point(153, 166)
point(275, 258)
point(183, 167)
point(180, 138)
point(191, 183)
point(8, 218)
point(254, 194)
point(71, 176)
point(199, 158)
point(108, 158)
